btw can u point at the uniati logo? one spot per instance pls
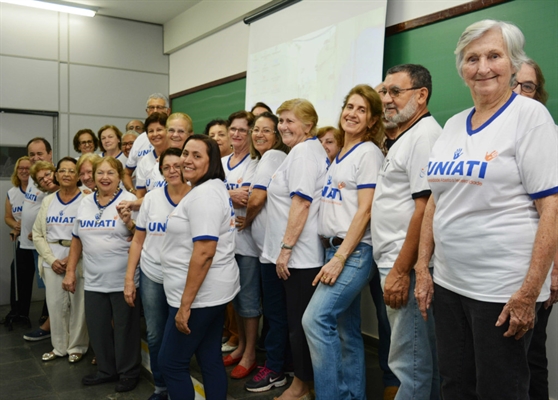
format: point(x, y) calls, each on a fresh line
point(491, 156)
point(457, 153)
point(328, 180)
point(61, 213)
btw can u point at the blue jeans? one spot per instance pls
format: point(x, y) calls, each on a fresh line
point(156, 311)
point(204, 340)
point(384, 330)
point(332, 326)
point(247, 301)
point(275, 310)
point(412, 355)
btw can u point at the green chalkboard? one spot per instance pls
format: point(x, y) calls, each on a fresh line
point(433, 46)
point(215, 102)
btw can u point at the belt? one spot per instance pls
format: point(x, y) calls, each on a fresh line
point(64, 243)
point(328, 242)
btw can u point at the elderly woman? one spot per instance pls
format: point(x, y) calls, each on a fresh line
point(267, 147)
point(332, 319)
point(102, 237)
point(22, 273)
point(490, 223)
point(85, 171)
point(52, 235)
point(291, 242)
point(110, 142)
point(332, 140)
point(85, 141)
point(529, 82)
point(218, 131)
point(146, 246)
point(197, 257)
point(239, 170)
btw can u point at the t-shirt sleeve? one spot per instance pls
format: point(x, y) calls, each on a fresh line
point(417, 164)
point(302, 175)
point(204, 211)
point(132, 161)
point(537, 160)
point(368, 168)
point(141, 221)
point(75, 229)
point(266, 169)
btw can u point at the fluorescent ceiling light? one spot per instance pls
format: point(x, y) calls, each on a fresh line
point(60, 7)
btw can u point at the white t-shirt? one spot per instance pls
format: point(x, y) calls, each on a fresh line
point(358, 169)
point(31, 206)
point(60, 220)
point(206, 213)
point(238, 176)
point(484, 183)
point(268, 164)
point(152, 219)
point(144, 169)
point(301, 174)
point(154, 179)
point(140, 148)
point(16, 196)
point(120, 157)
point(104, 238)
point(402, 178)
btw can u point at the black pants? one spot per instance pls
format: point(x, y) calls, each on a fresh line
point(25, 269)
point(538, 364)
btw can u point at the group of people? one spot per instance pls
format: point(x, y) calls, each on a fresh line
point(291, 222)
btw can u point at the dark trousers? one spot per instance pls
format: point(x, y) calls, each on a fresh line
point(538, 363)
point(117, 349)
point(177, 349)
point(476, 360)
point(299, 291)
point(25, 273)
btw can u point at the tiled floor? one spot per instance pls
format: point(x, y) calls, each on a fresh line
point(24, 376)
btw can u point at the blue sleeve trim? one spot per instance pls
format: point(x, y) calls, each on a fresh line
point(245, 184)
point(205, 237)
point(76, 236)
point(367, 186)
point(303, 196)
point(140, 228)
point(138, 187)
point(261, 187)
point(544, 193)
point(131, 168)
point(424, 193)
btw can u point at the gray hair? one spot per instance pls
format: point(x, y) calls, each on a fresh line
point(158, 96)
point(131, 132)
point(420, 77)
point(512, 35)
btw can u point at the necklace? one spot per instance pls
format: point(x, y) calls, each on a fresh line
point(101, 208)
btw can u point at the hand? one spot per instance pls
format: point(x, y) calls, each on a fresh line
point(181, 320)
point(69, 282)
point(124, 212)
point(424, 291)
point(87, 191)
point(239, 196)
point(520, 310)
point(239, 221)
point(30, 236)
point(396, 289)
point(13, 235)
point(130, 292)
point(59, 266)
point(330, 272)
point(17, 227)
point(553, 287)
point(281, 264)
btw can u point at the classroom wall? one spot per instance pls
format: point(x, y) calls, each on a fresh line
point(93, 71)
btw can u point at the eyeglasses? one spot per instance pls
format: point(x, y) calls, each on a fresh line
point(86, 142)
point(45, 176)
point(127, 144)
point(265, 131)
point(158, 108)
point(239, 130)
point(66, 171)
point(168, 168)
point(395, 92)
point(526, 87)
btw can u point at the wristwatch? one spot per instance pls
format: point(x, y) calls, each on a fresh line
point(284, 246)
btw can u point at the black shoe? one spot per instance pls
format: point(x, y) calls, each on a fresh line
point(126, 384)
point(94, 379)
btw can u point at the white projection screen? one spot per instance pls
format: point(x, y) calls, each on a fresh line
point(317, 50)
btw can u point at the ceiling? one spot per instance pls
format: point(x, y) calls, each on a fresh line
point(153, 11)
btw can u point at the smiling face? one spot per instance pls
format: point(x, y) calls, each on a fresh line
point(220, 134)
point(487, 69)
point(86, 175)
point(356, 117)
point(67, 175)
point(178, 131)
point(23, 170)
point(330, 144)
point(157, 135)
point(402, 108)
point(171, 170)
point(106, 178)
point(86, 143)
point(238, 132)
point(293, 131)
point(263, 135)
point(195, 161)
point(37, 152)
point(127, 143)
point(110, 140)
point(45, 179)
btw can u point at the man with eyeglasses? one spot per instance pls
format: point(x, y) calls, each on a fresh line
point(156, 102)
point(401, 195)
point(38, 149)
point(135, 125)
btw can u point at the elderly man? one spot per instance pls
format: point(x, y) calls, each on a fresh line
point(401, 195)
point(135, 125)
point(156, 102)
point(128, 140)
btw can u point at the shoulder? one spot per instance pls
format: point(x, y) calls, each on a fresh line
point(427, 126)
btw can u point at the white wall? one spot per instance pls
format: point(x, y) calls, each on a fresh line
point(93, 71)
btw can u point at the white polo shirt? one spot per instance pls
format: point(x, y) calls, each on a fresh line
point(401, 179)
point(484, 182)
point(205, 213)
point(140, 149)
point(301, 174)
point(31, 206)
point(358, 169)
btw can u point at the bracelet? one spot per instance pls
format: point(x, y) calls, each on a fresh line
point(285, 246)
point(133, 226)
point(340, 257)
